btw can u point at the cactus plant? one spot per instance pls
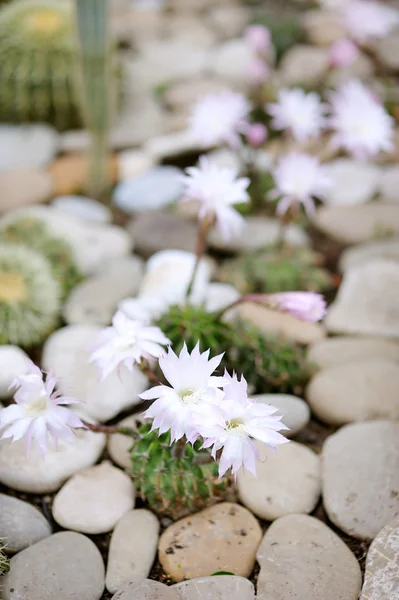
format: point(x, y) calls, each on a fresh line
point(29, 296)
point(37, 57)
point(34, 233)
point(277, 270)
point(191, 324)
point(4, 561)
point(173, 485)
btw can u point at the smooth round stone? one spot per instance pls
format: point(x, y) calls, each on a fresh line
point(362, 68)
point(157, 188)
point(218, 587)
point(35, 474)
point(63, 566)
point(281, 324)
point(356, 391)
point(156, 231)
point(13, 362)
point(367, 301)
point(94, 500)
point(172, 145)
point(357, 224)
point(66, 354)
point(341, 350)
point(389, 183)
point(288, 481)
point(230, 62)
point(229, 21)
point(21, 524)
point(22, 186)
point(322, 27)
point(294, 411)
point(387, 50)
point(364, 253)
point(361, 477)
point(132, 163)
point(257, 233)
point(183, 95)
point(132, 549)
point(96, 299)
point(92, 244)
point(225, 536)
point(352, 182)
point(304, 65)
point(302, 558)
point(145, 590)
point(220, 295)
point(381, 579)
point(119, 445)
point(27, 145)
point(84, 208)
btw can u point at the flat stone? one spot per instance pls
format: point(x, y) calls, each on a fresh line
point(257, 233)
point(63, 566)
point(118, 444)
point(35, 474)
point(66, 354)
point(69, 173)
point(225, 536)
point(13, 362)
point(283, 324)
point(361, 68)
point(155, 231)
point(389, 183)
point(305, 65)
point(132, 549)
point(96, 299)
point(219, 587)
point(359, 390)
point(387, 50)
point(172, 145)
point(230, 62)
point(361, 478)
point(294, 411)
point(21, 524)
point(229, 21)
point(288, 481)
point(183, 95)
point(146, 590)
point(152, 190)
point(92, 244)
point(352, 182)
point(357, 224)
point(23, 185)
point(132, 163)
point(302, 558)
point(364, 253)
point(381, 579)
point(322, 27)
point(94, 500)
point(341, 350)
point(27, 145)
point(366, 302)
point(84, 208)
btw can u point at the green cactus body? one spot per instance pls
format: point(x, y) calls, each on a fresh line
point(174, 486)
point(274, 270)
point(37, 63)
point(34, 233)
point(29, 296)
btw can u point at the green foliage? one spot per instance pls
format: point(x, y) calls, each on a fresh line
point(29, 296)
point(270, 364)
point(192, 324)
point(37, 63)
point(173, 485)
point(34, 233)
point(286, 31)
point(277, 270)
point(4, 561)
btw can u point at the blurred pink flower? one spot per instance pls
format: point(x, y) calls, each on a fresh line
point(366, 20)
point(307, 306)
point(343, 53)
point(259, 71)
point(257, 135)
point(38, 412)
point(259, 38)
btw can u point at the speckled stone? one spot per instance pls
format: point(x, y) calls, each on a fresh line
point(381, 579)
point(21, 524)
point(219, 587)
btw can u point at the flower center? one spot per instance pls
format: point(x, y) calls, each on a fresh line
point(12, 287)
point(237, 427)
point(37, 406)
point(190, 396)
